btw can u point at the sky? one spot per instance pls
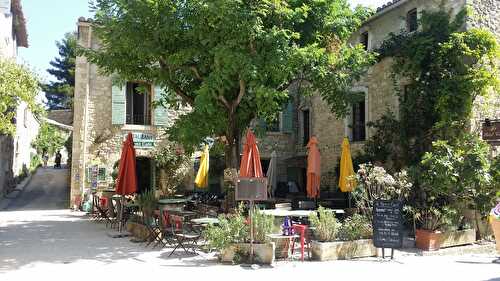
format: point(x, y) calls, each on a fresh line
point(49, 20)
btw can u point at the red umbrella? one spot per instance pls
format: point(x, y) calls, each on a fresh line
point(250, 166)
point(126, 183)
point(313, 168)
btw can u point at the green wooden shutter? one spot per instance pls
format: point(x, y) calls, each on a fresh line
point(118, 100)
point(287, 118)
point(160, 112)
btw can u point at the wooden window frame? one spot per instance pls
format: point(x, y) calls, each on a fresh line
point(147, 117)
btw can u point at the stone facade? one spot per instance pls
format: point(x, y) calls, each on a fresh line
point(97, 141)
point(16, 150)
point(378, 88)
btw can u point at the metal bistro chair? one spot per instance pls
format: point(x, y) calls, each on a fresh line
point(184, 235)
point(153, 227)
point(167, 236)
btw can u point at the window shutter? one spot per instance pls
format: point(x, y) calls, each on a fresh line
point(287, 118)
point(160, 112)
point(118, 105)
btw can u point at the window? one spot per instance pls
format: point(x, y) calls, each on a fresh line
point(364, 40)
point(411, 20)
point(358, 121)
point(306, 130)
point(101, 176)
point(138, 103)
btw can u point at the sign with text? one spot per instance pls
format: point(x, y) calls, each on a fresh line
point(491, 131)
point(388, 224)
point(143, 140)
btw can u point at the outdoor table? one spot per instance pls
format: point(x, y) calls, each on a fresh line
point(205, 221)
point(294, 213)
point(172, 203)
point(286, 251)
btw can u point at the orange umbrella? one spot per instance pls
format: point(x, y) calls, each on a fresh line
point(250, 166)
point(313, 168)
point(126, 183)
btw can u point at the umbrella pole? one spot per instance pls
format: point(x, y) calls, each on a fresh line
point(251, 231)
point(120, 225)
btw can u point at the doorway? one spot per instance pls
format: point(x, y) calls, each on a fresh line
point(144, 174)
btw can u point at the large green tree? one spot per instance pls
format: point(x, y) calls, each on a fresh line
point(59, 93)
point(17, 85)
point(231, 60)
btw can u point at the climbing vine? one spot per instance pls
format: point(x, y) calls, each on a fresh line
point(438, 71)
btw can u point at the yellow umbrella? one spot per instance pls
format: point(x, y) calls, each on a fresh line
point(346, 170)
point(202, 176)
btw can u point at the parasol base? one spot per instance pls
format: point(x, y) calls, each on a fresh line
point(117, 234)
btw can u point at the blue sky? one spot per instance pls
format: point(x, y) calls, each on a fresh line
point(48, 21)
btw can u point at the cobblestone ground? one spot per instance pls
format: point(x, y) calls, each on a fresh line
point(38, 243)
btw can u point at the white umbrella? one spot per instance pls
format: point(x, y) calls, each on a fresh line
point(271, 174)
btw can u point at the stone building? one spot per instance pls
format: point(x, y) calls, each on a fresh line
point(15, 151)
point(104, 113)
point(308, 116)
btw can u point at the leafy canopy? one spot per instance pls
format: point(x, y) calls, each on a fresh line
point(60, 93)
point(230, 60)
point(17, 85)
point(49, 140)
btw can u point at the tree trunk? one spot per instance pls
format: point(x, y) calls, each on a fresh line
point(232, 148)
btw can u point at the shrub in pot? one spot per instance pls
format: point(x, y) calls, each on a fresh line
point(325, 225)
point(148, 202)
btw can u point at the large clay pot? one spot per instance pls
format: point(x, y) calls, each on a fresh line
point(427, 240)
point(495, 225)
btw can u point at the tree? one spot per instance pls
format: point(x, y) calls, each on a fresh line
point(230, 60)
point(60, 93)
point(49, 140)
point(17, 85)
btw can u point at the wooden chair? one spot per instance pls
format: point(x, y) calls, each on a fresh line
point(184, 235)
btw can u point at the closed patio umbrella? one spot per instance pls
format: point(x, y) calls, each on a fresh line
point(271, 174)
point(126, 183)
point(202, 176)
point(250, 166)
point(346, 184)
point(313, 168)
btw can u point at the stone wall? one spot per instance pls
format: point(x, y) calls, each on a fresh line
point(96, 141)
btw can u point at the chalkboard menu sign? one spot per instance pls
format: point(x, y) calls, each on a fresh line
point(388, 224)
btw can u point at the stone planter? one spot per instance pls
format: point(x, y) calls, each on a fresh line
point(263, 253)
point(457, 238)
point(434, 240)
point(138, 230)
point(341, 250)
point(495, 225)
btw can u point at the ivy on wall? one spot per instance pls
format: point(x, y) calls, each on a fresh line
point(438, 71)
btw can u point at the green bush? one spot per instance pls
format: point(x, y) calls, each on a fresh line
point(231, 229)
point(325, 224)
point(355, 227)
point(262, 225)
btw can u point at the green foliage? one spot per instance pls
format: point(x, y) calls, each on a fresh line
point(326, 225)
point(356, 227)
point(17, 84)
point(147, 201)
point(60, 93)
point(173, 165)
point(262, 225)
point(374, 183)
point(444, 69)
point(35, 162)
point(231, 61)
point(232, 229)
point(49, 140)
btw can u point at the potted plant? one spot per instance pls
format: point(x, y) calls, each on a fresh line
point(231, 237)
point(334, 240)
point(148, 202)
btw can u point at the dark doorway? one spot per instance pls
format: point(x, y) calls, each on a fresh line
point(144, 174)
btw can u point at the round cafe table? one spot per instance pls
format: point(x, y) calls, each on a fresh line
point(205, 221)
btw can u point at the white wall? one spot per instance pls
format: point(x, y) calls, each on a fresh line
point(8, 48)
point(27, 127)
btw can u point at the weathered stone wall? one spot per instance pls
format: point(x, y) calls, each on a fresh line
point(96, 141)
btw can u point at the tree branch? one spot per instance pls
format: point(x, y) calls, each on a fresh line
point(224, 101)
point(240, 94)
point(196, 72)
point(165, 67)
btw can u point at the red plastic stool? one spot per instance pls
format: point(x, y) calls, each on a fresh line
point(103, 201)
point(301, 230)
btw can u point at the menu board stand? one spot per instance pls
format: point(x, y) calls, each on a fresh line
point(388, 225)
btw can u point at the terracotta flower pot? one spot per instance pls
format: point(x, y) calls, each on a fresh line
point(427, 240)
point(495, 225)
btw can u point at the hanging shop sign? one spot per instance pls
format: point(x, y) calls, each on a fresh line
point(143, 140)
point(491, 131)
